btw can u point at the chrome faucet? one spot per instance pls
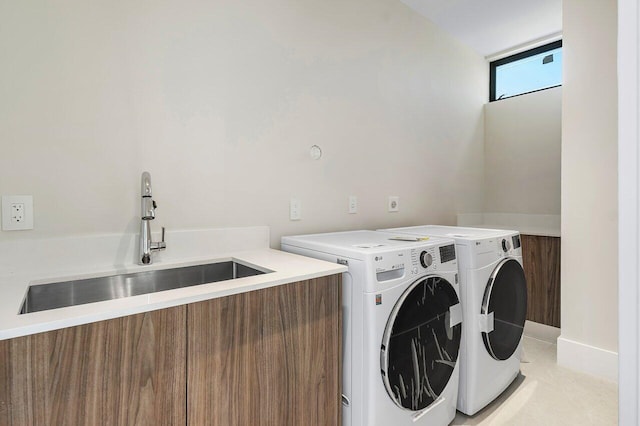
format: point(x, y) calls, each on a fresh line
point(147, 246)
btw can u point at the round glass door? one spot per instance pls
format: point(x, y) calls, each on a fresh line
point(505, 297)
point(419, 347)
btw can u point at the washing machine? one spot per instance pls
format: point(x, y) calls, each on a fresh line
point(401, 325)
point(493, 293)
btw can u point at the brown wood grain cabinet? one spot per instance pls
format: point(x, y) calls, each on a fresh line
point(541, 258)
point(124, 371)
point(267, 357)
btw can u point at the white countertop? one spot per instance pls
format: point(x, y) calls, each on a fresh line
point(15, 277)
point(527, 224)
point(523, 230)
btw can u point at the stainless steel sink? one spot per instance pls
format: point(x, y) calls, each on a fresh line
point(42, 297)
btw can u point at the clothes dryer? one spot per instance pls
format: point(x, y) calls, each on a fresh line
point(493, 294)
point(401, 325)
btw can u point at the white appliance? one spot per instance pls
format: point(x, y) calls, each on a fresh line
point(401, 325)
point(493, 293)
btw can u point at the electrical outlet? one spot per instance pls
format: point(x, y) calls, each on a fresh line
point(17, 212)
point(295, 209)
point(394, 203)
point(353, 204)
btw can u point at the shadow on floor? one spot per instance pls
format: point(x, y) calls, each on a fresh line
point(463, 419)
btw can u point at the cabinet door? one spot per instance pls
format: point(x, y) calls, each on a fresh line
point(125, 371)
point(541, 258)
point(268, 357)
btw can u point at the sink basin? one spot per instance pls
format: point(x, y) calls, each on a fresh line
point(42, 297)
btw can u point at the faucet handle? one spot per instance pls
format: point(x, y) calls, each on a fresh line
point(160, 245)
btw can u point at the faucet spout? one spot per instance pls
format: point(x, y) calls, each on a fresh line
point(148, 206)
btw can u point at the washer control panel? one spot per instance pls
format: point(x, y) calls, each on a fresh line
point(426, 259)
point(414, 261)
point(390, 266)
point(447, 253)
point(423, 259)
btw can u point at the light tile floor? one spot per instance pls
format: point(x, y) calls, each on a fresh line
point(546, 394)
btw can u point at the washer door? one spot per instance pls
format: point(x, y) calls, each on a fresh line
point(420, 345)
point(506, 297)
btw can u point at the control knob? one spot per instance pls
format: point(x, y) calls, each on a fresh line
point(426, 259)
point(505, 245)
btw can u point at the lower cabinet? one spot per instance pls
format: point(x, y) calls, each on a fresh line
point(541, 258)
point(266, 357)
point(269, 357)
point(125, 371)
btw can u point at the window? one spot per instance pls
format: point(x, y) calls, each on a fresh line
point(526, 72)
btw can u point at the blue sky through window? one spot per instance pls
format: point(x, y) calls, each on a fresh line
point(529, 74)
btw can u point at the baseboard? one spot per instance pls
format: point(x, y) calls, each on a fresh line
point(588, 359)
point(543, 332)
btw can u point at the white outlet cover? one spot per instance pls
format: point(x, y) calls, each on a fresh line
point(394, 203)
point(7, 201)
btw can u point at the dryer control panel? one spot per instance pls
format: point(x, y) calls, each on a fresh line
point(509, 245)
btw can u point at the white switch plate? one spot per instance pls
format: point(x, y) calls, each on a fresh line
point(295, 209)
point(353, 204)
point(394, 203)
point(17, 212)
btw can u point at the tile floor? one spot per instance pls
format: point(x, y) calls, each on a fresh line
point(546, 394)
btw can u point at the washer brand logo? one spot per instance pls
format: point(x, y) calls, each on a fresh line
point(477, 243)
point(378, 299)
point(377, 258)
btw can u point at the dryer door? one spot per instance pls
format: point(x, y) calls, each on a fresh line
point(506, 297)
point(421, 343)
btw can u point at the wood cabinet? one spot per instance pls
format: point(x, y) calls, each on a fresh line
point(267, 357)
point(123, 371)
point(541, 258)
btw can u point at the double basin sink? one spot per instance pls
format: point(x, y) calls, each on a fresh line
point(42, 297)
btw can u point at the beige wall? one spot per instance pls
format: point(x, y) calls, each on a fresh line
point(589, 175)
point(221, 102)
point(522, 154)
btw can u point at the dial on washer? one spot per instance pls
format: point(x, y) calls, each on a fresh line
point(426, 259)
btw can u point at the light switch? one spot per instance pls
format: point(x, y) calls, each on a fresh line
point(353, 204)
point(295, 209)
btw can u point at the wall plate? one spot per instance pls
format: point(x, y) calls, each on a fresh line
point(295, 209)
point(17, 212)
point(394, 203)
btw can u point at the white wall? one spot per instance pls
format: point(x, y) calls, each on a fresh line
point(589, 188)
point(628, 211)
point(221, 102)
point(522, 154)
